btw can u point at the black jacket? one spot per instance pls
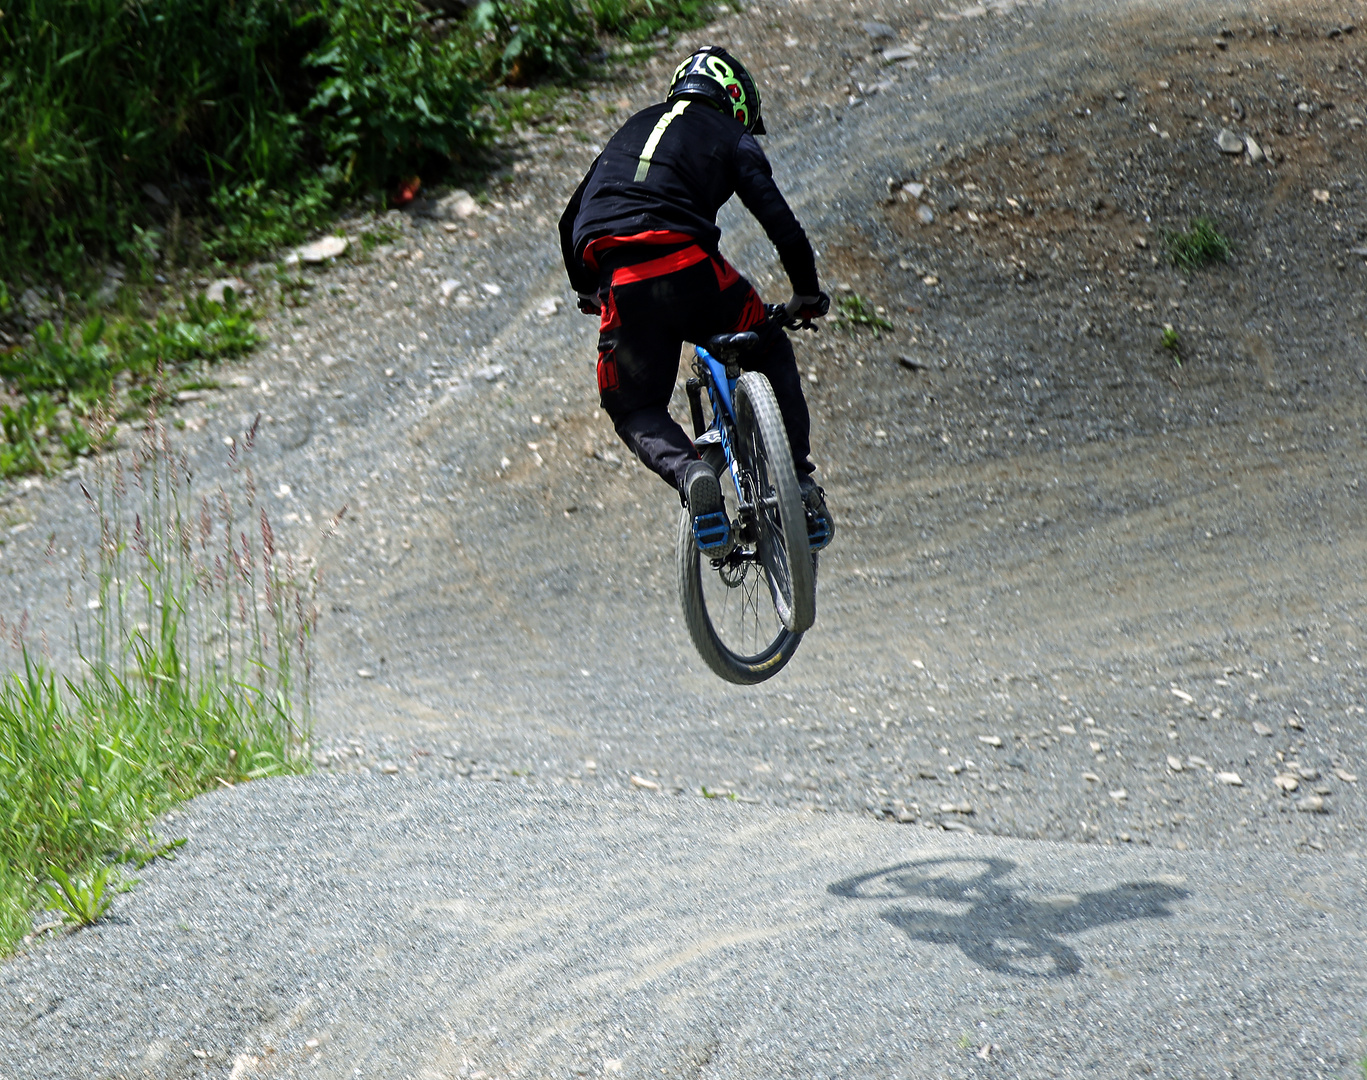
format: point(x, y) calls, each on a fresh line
point(700, 160)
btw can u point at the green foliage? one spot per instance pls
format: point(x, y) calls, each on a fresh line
point(1199, 246)
point(78, 365)
point(113, 113)
point(191, 678)
point(854, 310)
point(140, 856)
point(165, 131)
point(640, 20)
point(254, 218)
point(393, 100)
point(26, 428)
point(82, 903)
point(1172, 341)
point(535, 38)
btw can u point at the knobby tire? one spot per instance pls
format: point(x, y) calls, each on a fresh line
point(787, 607)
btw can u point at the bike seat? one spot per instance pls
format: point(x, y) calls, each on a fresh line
point(722, 344)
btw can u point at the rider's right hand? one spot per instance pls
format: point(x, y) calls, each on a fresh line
point(589, 304)
point(806, 308)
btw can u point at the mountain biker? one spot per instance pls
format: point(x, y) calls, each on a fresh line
point(639, 238)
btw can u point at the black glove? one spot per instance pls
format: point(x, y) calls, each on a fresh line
point(589, 304)
point(805, 308)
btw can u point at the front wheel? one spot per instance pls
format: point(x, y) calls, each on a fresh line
point(777, 513)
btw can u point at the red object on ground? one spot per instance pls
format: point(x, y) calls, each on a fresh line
point(408, 190)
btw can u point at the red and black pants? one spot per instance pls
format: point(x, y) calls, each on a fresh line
point(657, 291)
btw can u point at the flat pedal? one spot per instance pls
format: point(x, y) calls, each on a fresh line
point(712, 534)
point(820, 532)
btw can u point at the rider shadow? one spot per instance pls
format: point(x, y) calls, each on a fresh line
point(1003, 930)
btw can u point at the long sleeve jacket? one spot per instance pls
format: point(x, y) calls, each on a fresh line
point(671, 167)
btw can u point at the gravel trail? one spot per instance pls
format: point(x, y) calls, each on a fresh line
point(395, 928)
point(1083, 592)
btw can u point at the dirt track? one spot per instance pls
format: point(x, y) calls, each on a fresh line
point(1052, 534)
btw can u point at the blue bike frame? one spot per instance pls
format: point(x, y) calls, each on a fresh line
point(721, 389)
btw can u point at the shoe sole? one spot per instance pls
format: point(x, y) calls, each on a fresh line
point(704, 494)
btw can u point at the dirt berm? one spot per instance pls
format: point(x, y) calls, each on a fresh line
point(1080, 577)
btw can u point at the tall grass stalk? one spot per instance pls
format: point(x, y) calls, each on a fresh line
point(193, 627)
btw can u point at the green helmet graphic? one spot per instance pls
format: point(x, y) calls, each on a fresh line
point(716, 76)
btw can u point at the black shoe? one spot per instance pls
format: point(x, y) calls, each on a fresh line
point(711, 526)
point(820, 526)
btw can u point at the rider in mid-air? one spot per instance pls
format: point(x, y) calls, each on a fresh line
point(640, 244)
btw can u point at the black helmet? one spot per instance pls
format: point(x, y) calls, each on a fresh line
point(716, 76)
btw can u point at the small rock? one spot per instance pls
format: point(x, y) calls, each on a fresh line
point(1346, 776)
point(1119, 95)
point(958, 826)
point(458, 205)
point(1294, 723)
point(364, 673)
point(956, 808)
point(1320, 195)
point(1067, 729)
point(878, 30)
point(1306, 772)
point(1199, 762)
point(1182, 695)
point(1228, 142)
point(1311, 804)
point(217, 291)
point(1120, 796)
point(914, 190)
point(1230, 778)
point(1255, 152)
point(931, 280)
point(185, 396)
point(910, 363)
point(449, 286)
point(328, 247)
point(548, 307)
point(990, 740)
point(1287, 782)
point(1164, 84)
point(900, 52)
point(491, 288)
point(1174, 763)
point(905, 815)
point(642, 782)
point(389, 768)
point(1141, 241)
point(1262, 729)
point(1091, 778)
point(490, 373)
point(925, 215)
point(1362, 250)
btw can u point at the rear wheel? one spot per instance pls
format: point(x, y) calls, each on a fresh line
point(746, 613)
point(729, 611)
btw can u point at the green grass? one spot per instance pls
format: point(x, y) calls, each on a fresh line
point(1201, 245)
point(194, 631)
point(854, 311)
point(1172, 341)
point(68, 377)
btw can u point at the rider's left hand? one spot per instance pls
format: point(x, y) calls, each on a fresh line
point(589, 304)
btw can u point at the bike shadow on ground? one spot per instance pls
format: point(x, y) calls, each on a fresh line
point(1003, 930)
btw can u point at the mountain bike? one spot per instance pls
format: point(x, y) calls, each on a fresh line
point(747, 610)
